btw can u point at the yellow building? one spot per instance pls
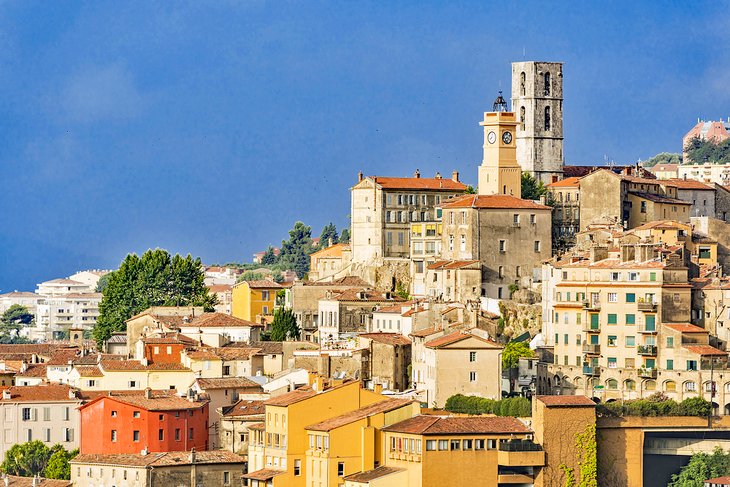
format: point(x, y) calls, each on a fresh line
point(499, 172)
point(277, 452)
point(352, 442)
point(253, 298)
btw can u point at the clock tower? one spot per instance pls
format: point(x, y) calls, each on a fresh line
point(499, 172)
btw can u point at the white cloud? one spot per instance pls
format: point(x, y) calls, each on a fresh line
point(101, 93)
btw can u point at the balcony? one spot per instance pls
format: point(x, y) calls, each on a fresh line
point(592, 328)
point(647, 373)
point(646, 307)
point(520, 453)
point(515, 478)
point(593, 305)
point(591, 370)
point(646, 350)
point(649, 329)
point(591, 349)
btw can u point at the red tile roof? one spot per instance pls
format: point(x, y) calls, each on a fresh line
point(686, 184)
point(704, 350)
point(219, 320)
point(292, 397)
point(89, 371)
point(685, 328)
point(495, 201)
point(387, 338)
point(15, 481)
point(228, 383)
point(244, 407)
point(426, 331)
point(263, 474)
point(566, 401)
point(158, 400)
point(440, 425)
point(362, 413)
point(40, 393)
point(34, 370)
point(434, 184)
point(173, 458)
point(659, 199)
point(367, 476)
point(719, 481)
point(455, 337)
point(566, 183)
point(121, 365)
point(263, 284)
point(369, 295)
point(452, 264)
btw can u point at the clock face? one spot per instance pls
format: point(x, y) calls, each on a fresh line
point(491, 137)
point(507, 138)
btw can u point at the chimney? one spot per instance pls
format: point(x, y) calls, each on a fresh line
point(438, 175)
point(148, 393)
point(598, 253)
point(7, 395)
point(417, 174)
point(192, 456)
point(455, 176)
point(144, 451)
point(71, 393)
point(359, 176)
point(378, 388)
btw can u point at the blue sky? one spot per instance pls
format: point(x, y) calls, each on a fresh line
point(211, 127)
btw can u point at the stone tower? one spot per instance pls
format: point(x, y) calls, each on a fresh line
point(537, 99)
point(499, 172)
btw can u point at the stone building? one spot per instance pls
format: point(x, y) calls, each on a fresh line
point(390, 356)
point(537, 98)
point(564, 197)
point(235, 420)
point(349, 312)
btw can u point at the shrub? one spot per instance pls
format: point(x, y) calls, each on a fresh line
point(655, 405)
point(513, 406)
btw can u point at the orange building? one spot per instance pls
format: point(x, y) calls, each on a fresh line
point(129, 422)
point(165, 349)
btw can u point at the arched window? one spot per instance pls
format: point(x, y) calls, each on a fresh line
point(629, 385)
point(547, 118)
point(690, 386)
point(612, 384)
point(547, 83)
point(670, 386)
point(522, 83)
point(650, 385)
point(578, 382)
point(522, 117)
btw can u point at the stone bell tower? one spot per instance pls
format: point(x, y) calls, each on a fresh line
point(537, 99)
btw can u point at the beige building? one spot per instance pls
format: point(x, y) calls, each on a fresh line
point(342, 315)
point(425, 250)
point(329, 263)
point(509, 236)
point(384, 207)
point(200, 468)
point(234, 422)
point(47, 413)
point(564, 197)
point(459, 362)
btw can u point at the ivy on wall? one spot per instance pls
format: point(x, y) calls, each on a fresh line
point(585, 444)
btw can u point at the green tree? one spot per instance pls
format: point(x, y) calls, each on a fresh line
point(532, 189)
point(401, 291)
point(252, 276)
point(702, 466)
point(58, 466)
point(155, 279)
point(511, 356)
point(15, 318)
point(269, 257)
point(102, 283)
point(284, 325)
point(700, 151)
point(345, 235)
point(470, 190)
point(26, 459)
point(295, 251)
point(328, 236)
point(663, 158)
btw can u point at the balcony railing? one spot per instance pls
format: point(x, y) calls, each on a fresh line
point(647, 373)
point(646, 306)
point(519, 445)
point(592, 328)
point(593, 304)
point(646, 349)
point(650, 329)
point(591, 349)
point(592, 370)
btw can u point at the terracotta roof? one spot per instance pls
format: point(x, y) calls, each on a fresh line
point(64, 356)
point(174, 338)
point(228, 383)
point(571, 182)
point(452, 264)
point(257, 426)
point(219, 320)
point(220, 288)
point(263, 474)
point(440, 425)
point(614, 264)
point(82, 296)
point(40, 393)
point(367, 476)
point(34, 370)
point(269, 348)
point(704, 350)
point(164, 459)
point(393, 308)
point(89, 371)
point(159, 401)
point(69, 282)
point(118, 338)
point(426, 331)
point(437, 184)
point(412, 311)
point(369, 295)
point(244, 407)
point(93, 358)
point(121, 365)
point(659, 199)
point(662, 224)
point(20, 294)
point(566, 401)
point(292, 397)
point(15, 481)
point(336, 248)
point(169, 321)
point(346, 281)
point(387, 338)
point(685, 328)
point(358, 414)
point(719, 480)
point(37, 348)
point(664, 167)
point(455, 337)
point(495, 201)
point(263, 284)
point(686, 184)
point(223, 353)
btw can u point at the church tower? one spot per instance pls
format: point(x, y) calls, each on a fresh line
point(537, 98)
point(499, 172)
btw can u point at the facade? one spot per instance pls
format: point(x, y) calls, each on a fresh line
point(425, 250)
point(344, 314)
point(217, 329)
point(158, 319)
point(454, 280)
point(47, 413)
point(384, 207)
point(519, 239)
point(459, 362)
point(390, 356)
point(198, 468)
point(254, 298)
point(707, 173)
point(665, 171)
point(499, 172)
point(234, 422)
point(129, 422)
point(564, 197)
point(537, 98)
point(328, 263)
point(223, 293)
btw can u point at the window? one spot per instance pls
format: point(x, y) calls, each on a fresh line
point(691, 365)
point(652, 276)
point(611, 340)
point(670, 364)
point(614, 276)
point(472, 376)
point(226, 370)
point(629, 363)
point(114, 435)
point(612, 318)
point(500, 271)
point(516, 220)
point(533, 219)
point(537, 246)
point(191, 433)
point(226, 478)
point(443, 445)
point(455, 445)
point(518, 271)
point(451, 242)
point(633, 276)
point(26, 414)
point(491, 444)
point(264, 295)
point(629, 385)
point(643, 207)
point(430, 445)
point(132, 384)
point(705, 253)
point(502, 245)
point(630, 297)
point(46, 414)
point(612, 384)
point(135, 435)
point(472, 356)
point(47, 435)
point(135, 414)
point(462, 243)
point(613, 297)
point(578, 338)
point(161, 434)
point(114, 414)
point(68, 434)
point(630, 319)
point(630, 341)
point(690, 386)
point(479, 444)
point(546, 77)
point(66, 413)
point(177, 434)
point(612, 363)
point(565, 339)
point(670, 342)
